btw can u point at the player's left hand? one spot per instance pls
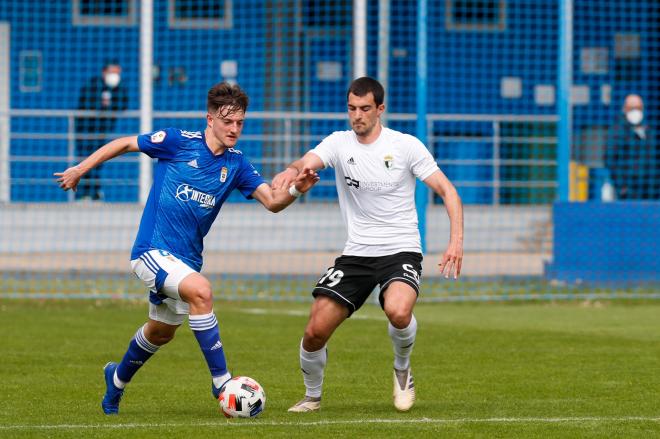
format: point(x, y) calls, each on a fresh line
point(69, 179)
point(452, 259)
point(284, 179)
point(306, 179)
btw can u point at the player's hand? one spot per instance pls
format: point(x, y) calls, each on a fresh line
point(284, 179)
point(452, 260)
point(69, 179)
point(306, 179)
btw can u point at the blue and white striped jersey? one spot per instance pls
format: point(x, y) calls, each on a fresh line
point(190, 184)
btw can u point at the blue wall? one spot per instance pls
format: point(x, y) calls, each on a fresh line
point(602, 243)
point(465, 68)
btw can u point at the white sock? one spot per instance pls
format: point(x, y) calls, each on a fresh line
point(402, 342)
point(118, 383)
point(219, 381)
point(312, 365)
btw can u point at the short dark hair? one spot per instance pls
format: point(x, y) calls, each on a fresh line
point(111, 62)
point(364, 85)
point(224, 94)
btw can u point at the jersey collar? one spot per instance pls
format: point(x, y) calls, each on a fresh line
point(208, 149)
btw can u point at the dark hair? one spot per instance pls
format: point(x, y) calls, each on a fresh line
point(364, 85)
point(111, 62)
point(224, 94)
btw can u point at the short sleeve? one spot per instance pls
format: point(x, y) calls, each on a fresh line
point(327, 150)
point(249, 178)
point(162, 144)
point(422, 162)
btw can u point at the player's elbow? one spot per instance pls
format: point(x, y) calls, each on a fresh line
point(455, 194)
point(446, 191)
point(278, 207)
point(450, 195)
point(274, 206)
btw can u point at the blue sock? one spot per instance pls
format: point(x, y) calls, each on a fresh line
point(205, 328)
point(139, 351)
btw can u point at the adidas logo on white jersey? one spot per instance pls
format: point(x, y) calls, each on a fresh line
point(217, 345)
point(351, 161)
point(193, 163)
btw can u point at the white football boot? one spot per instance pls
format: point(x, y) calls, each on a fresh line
point(307, 404)
point(404, 390)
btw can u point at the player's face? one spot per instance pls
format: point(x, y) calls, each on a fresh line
point(226, 126)
point(363, 113)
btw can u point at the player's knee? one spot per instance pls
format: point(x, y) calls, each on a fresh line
point(160, 339)
point(398, 318)
point(314, 338)
point(200, 296)
point(159, 336)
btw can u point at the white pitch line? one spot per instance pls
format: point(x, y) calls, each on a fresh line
point(258, 423)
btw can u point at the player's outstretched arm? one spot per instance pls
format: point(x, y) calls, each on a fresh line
point(69, 179)
point(452, 259)
point(276, 199)
point(284, 179)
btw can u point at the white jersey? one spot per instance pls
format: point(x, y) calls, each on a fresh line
point(376, 187)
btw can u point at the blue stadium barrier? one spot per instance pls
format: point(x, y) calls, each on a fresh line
point(606, 243)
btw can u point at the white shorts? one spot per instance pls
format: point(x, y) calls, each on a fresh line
point(162, 273)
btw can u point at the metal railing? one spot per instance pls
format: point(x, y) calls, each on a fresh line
point(289, 134)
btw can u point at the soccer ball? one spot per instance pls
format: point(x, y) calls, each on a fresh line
point(242, 397)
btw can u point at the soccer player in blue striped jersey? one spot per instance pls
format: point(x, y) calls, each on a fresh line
point(195, 173)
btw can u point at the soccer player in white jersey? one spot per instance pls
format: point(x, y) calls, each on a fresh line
point(195, 173)
point(375, 172)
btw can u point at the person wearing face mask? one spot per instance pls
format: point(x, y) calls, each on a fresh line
point(632, 155)
point(102, 93)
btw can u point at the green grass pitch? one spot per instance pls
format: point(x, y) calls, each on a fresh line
point(517, 370)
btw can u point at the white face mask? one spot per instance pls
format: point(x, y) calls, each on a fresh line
point(112, 79)
point(635, 116)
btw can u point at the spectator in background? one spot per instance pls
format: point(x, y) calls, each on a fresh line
point(100, 93)
point(632, 154)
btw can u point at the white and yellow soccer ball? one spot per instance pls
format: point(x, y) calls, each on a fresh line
point(242, 397)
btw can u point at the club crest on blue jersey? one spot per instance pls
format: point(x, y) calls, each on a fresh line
point(223, 174)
